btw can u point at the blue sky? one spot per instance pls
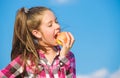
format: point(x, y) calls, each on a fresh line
point(95, 25)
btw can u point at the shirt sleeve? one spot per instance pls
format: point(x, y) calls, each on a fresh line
point(13, 69)
point(68, 65)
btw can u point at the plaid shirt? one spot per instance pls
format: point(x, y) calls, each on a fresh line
point(60, 68)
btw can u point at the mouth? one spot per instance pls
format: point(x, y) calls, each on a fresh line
point(56, 35)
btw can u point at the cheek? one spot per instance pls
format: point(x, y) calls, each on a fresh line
point(48, 35)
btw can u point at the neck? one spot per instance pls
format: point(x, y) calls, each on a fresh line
point(48, 49)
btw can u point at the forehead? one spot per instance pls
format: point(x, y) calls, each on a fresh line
point(48, 16)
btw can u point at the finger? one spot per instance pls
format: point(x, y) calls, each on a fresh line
point(68, 39)
point(72, 39)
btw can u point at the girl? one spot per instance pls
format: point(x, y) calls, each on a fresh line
point(35, 52)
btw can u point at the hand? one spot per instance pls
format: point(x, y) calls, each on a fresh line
point(66, 45)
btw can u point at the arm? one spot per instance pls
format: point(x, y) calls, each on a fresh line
point(68, 65)
point(67, 58)
point(13, 69)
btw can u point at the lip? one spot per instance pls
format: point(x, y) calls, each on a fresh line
point(56, 34)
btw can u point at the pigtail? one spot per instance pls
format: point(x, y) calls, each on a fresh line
point(18, 44)
point(23, 43)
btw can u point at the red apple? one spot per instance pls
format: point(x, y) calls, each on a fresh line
point(62, 36)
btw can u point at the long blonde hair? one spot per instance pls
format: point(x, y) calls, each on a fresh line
point(23, 41)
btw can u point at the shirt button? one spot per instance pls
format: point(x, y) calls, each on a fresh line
point(61, 63)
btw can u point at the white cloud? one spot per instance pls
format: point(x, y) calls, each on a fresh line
point(115, 74)
point(102, 73)
point(62, 2)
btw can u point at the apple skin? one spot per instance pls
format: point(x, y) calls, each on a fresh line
point(62, 36)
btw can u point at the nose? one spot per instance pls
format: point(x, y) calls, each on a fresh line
point(57, 26)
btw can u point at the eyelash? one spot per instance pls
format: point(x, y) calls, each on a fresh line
point(51, 23)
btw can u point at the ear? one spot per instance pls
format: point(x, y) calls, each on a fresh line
point(37, 34)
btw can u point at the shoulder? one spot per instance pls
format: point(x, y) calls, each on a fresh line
point(17, 60)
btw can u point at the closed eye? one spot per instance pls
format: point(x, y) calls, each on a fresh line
point(50, 25)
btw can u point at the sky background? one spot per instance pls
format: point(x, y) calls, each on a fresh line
point(95, 25)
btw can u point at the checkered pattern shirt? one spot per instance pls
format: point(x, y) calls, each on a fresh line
point(60, 68)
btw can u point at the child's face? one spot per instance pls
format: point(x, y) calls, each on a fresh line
point(49, 28)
